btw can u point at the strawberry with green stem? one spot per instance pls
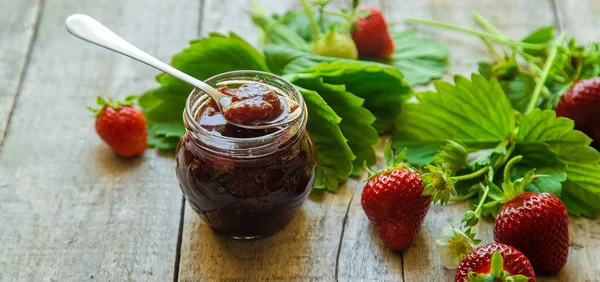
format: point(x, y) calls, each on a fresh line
point(121, 126)
point(495, 262)
point(392, 200)
point(534, 223)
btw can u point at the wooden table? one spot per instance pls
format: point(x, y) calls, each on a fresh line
point(72, 211)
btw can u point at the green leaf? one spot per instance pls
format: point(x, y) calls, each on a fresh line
point(388, 154)
point(286, 60)
point(479, 159)
point(495, 192)
point(543, 35)
point(100, 101)
point(583, 183)
point(231, 52)
point(275, 32)
point(419, 60)
point(517, 86)
point(453, 156)
point(163, 106)
point(558, 133)
point(419, 153)
point(497, 264)
point(168, 129)
point(519, 278)
point(400, 157)
point(576, 206)
point(550, 168)
point(162, 142)
point(476, 112)
point(299, 23)
point(382, 87)
point(572, 147)
point(356, 121)
point(334, 155)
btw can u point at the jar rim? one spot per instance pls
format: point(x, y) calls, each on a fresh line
point(239, 146)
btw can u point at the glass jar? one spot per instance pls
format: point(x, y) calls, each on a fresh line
point(245, 185)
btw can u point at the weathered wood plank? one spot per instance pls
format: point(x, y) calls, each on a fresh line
point(580, 19)
point(361, 245)
point(69, 209)
point(18, 21)
point(307, 250)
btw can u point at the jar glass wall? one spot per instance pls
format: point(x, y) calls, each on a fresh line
point(245, 183)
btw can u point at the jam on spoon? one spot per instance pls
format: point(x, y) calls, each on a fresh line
point(252, 104)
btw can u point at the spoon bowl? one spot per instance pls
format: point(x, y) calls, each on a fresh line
point(88, 29)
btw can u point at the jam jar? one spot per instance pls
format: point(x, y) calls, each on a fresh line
point(244, 183)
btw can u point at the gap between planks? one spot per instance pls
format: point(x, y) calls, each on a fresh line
point(339, 250)
point(21, 77)
point(179, 241)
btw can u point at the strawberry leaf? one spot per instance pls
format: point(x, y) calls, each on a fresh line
point(495, 192)
point(400, 157)
point(453, 156)
point(388, 154)
point(356, 121)
point(497, 264)
point(382, 87)
point(419, 60)
point(334, 155)
point(551, 169)
point(476, 113)
point(572, 146)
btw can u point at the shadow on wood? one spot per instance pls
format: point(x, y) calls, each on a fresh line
point(109, 164)
point(281, 256)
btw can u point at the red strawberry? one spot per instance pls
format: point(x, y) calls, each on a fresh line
point(581, 103)
point(393, 202)
point(537, 225)
point(122, 127)
point(497, 262)
point(371, 35)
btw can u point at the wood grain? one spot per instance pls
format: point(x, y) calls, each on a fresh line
point(18, 21)
point(307, 250)
point(70, 210)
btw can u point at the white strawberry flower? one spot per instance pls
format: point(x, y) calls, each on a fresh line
point(453, 245)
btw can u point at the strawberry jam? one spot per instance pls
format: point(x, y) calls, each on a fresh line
point(244, 183)
point(252, 104)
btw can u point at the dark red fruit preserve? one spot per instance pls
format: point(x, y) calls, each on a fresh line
point(244, 183)
point(251, 104)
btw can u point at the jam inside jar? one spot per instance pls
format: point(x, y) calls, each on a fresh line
point(244, 183)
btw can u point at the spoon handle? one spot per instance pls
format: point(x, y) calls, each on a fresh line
point(88, 29)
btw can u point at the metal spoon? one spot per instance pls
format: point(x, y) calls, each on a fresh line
point(88, 29)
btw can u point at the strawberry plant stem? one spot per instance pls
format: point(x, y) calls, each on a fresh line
point(486, 190)
point(464, 197)
point(535, 96)
point(486, 35)
point(313, 23)
point(485, 24)
point(347, 17)
point(472, 174)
